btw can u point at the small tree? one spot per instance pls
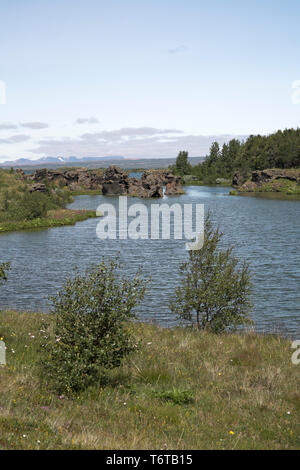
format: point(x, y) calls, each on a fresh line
point(214, 291)
point(182, 166)
point(90, 333)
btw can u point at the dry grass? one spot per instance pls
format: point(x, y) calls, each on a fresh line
point(243, 394)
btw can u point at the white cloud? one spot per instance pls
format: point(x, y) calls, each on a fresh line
point(15, 139)
point(34, 125)
point(131, 142)
point(90, 120)
point(7, 126)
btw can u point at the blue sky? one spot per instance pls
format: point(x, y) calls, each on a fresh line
point(144, 78)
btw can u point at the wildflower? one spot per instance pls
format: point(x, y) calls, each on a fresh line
point(232, 433)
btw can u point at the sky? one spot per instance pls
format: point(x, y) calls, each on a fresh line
point(143, 78)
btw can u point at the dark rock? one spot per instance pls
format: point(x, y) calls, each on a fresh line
point(38, 187)
point(113, 182)
point(270, 177)
point(237, 179)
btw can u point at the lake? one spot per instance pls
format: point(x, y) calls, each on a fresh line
point(264, 232)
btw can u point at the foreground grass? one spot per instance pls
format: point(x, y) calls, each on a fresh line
point(181, 390)
point(55, 218)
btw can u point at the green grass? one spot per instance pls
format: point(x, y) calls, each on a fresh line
point(182, 390)
point(55, 218)
point(282, 185)
point(86, 192)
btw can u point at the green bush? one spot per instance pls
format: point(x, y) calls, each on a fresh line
point(214, 290)
point(90, 333)
point(23, 205)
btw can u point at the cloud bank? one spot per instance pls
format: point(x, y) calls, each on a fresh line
point(141, 142)
point(15, 139)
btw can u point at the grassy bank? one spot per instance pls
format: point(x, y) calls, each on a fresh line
point(87, 192)
point(182, 390)
point(283, 186)
point(54, 218)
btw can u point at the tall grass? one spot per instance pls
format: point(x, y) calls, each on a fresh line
point(183, 390)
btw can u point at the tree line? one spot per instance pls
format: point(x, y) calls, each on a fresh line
point(258, 152)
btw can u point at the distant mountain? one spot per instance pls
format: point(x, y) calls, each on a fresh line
point(58, 160)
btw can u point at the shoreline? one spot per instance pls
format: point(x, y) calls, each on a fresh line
point(57, 218)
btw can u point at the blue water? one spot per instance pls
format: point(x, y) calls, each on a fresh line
point(263, 231)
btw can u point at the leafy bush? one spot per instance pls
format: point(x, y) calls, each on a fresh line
point(213, 289)
point(90, 332)
point(23, 205)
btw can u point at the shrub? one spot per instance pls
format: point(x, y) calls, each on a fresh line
point(22, 205)
point(90, 332)
point(213, 289)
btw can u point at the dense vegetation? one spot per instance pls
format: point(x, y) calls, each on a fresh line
point(17, 203)
point(21, 208)
point(214, 291)
point(278, 150)
point(89, 334)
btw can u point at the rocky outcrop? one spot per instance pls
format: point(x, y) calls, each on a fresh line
point(38, 187)
point(113, 181)
point(237, 180)
point(78, 179)
point(270, 179)
point(20, 174)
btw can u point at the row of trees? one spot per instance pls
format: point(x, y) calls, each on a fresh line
point(278, 150)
